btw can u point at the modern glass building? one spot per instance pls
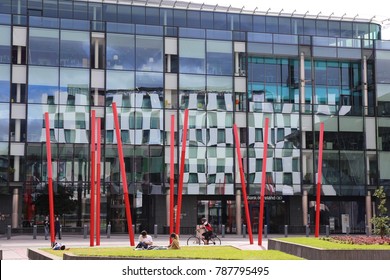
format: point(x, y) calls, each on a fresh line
point(227, 66)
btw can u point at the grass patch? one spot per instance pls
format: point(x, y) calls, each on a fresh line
point(325, 244)
point(186, 252)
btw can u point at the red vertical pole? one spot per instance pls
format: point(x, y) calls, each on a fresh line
point(243, 184)
point(319, 180)
point(92, 193)
point(181, 175)
point(263, 179)
point(98, 156)
point(123, 173)
point(49, 178)
point(171, 175)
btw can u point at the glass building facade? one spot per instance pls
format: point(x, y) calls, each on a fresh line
point(227, 66)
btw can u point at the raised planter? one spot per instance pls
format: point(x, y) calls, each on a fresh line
point(311, 253)
point(36, 254)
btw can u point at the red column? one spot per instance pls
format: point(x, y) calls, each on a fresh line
point(181, 178)
point(243, 184)
point(319, 180)
point(98, 156)
point(50, 178)
point(263, 179)
point(92, 193)
point(123, 174)
point(172, 175)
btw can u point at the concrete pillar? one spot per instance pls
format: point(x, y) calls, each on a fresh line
point(96, 54)
point(302, 80)
point(238, 212)
point(368, 212)
point(17, 168)
point(168, 204)
point(236, 63)
point(365, 87)
point(304, 207)
point(15, 208)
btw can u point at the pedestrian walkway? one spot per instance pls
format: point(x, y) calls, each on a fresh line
point(15, 248)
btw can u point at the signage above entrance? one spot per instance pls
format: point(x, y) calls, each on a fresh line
point(266, 197)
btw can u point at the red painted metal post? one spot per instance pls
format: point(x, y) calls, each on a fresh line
point(319, 180)
point(50, 178)
point(263, 179)
point(172, 175)
point(98, 156)
point(181, 175)
point(243, 184)
point(92, 193)
point(123, 173)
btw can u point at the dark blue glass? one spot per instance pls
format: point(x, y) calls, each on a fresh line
point(179, 18)
point(166, 17)
point(50, 8)
point(34, 4)
point(271, 25)
point(75, 24)
point(44, 22)
point(322, 28)
point(5, 19)
point(149, 30)
point(124, 13)
point(246, 22)
point(138, 14)
point(95, 11)
point(65, 9)
point(206, 20)
point(152, 16)
point(259, 24)
point(219, 34)
point(220, 21)
point(334, 28)
point(120, 28)
point(193, 19)
point(109, 12)
point(192, 33)
point(18, 7)
point(80, 10)
point(233, 22)
point(346, 30)
point(309, 27)
point(284, 25)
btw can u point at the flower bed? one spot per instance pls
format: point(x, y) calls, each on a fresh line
point(359, 239)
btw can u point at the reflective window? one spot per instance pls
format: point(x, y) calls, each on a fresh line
point(43, 46)
point(35, 122)
point(382, 67)
point(259, 24)
point(5, 44)
point(5, 77)
point(74, 86)
point(120, 51)
point(4, 121)
point(220, 21)
point(75, 49)
point(149, 53)
point(193, 19)
point(219, 57)
point(43, 85)
point(192, 56)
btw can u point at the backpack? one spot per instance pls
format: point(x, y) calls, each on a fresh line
point(208, 227)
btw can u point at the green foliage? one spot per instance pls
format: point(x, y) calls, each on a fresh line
point(381, 222)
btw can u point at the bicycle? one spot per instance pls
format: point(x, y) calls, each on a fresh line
point(198, 239)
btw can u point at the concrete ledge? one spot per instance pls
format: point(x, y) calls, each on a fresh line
point(311, 253)
point(36, 254)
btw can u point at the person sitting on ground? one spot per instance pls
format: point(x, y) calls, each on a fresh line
point(175, 242)
point(209, 231)
point(144, 240)
point(58, 246)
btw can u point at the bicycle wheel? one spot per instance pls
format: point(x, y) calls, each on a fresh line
point(193, 240)
point(215, 241)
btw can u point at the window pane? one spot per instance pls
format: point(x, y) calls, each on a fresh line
point(43, 46)
point(75, 49)
point(149, 53)
point(120, 51)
